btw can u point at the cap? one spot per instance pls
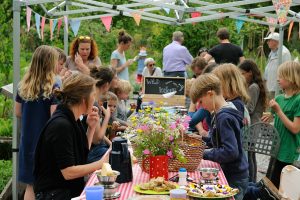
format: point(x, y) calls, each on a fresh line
point(273, 36)
point(143, 53)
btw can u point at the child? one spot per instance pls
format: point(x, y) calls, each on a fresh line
point(122, 91)
point(286, 110)
point(256, 105)
point(60, 71)
point(226, 132)
point(141, 64)
point(197, 66)
point(35, 104)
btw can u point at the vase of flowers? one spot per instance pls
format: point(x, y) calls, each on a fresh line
point(158, 133)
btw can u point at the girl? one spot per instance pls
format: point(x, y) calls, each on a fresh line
point(286, 110)
point(256, 105)
point(226, 135)
point(61, 153)
point(118, 59)
point(34, 105)
point(83, 55)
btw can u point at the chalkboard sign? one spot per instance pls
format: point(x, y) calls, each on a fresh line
point(163, 85)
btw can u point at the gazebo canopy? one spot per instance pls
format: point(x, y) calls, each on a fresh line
point(246, 10)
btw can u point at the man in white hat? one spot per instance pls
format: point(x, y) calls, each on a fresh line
point(270, 74)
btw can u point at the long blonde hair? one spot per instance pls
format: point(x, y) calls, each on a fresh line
point(39, 78)
point(232, 81)
point(290, 71)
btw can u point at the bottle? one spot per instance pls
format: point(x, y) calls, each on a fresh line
point(178, 194)
point(182, 177)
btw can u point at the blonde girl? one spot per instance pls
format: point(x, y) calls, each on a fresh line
point(34, 105)
point(286, 110)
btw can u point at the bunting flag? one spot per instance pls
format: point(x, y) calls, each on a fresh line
point(38, 23)
point(281, 8)
point(75, 24)
point(290, 30)
point(42, 27)
point(195, 14)
point(59, 23)
point(51, 27)
point(167, 10)
point(54, 25)
point(66, 23)
point(239, 24)
point(28, 16)
point(272, 20)
point(137, 18)
point(107, 22)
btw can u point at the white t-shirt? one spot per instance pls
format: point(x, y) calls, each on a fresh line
point(157, 72)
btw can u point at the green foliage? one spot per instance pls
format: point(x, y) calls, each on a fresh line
point(6, 127)
point(5, 172)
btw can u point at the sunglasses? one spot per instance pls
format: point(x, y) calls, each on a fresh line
point(150, 65)
point(84, 38)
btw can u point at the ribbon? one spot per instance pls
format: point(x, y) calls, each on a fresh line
point(42, 27)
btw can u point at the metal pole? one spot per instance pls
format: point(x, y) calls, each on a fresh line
point(16, 79)
point(66, 41)
point(280, 47)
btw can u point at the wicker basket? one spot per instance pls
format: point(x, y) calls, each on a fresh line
point(193, 149)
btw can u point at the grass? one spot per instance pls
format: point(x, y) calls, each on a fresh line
point(5, 172)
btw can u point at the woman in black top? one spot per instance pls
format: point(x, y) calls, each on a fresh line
point(61, 153)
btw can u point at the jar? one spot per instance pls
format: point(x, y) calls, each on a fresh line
point(178, 194)
point(182, 177)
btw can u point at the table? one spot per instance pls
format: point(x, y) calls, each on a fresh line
point(126, 189)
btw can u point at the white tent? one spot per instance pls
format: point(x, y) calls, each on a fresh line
point(92, 9)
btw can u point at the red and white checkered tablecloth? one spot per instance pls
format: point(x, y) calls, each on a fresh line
point(126, 189)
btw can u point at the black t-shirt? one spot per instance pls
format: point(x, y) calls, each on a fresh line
point(63, 143)
point(226, 53)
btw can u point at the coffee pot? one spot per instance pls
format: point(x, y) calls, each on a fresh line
point(120, 159)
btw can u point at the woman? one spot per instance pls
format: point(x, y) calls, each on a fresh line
point(150, 70)
point(61, 153)
point(83, 55)
point(118, 59)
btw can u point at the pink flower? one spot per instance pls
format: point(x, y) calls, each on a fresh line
point(144, 127)
point(185, 125)
point(146, 152)
point(171, 138)
point(172, 126)
point(170, 154)
point(187, 118)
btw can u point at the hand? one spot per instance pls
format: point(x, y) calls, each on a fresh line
point(115, 125)
point(267, 117)
point(129, 62)
point(133, 106)
point(106, 111)
point(78, 59)
point(93, 118)
point(274, 105)
point(194, 135)
point(105, 157)
point(66, 75)
point(203, 133)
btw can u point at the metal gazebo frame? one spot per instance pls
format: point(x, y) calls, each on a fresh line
point(148, 11)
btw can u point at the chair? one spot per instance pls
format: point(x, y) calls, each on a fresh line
point(262, 138)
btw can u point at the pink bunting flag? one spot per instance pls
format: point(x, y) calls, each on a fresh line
point(137, 18)
point(195, 14)
point(107, 22)
point(42, 27)
point(272, 20)
point(282, 7)
point(59, 25)
point(290, 30)
point(66, 23)
point(28, 17)
point(51, 27)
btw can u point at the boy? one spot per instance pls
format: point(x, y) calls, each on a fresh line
point(226, 132)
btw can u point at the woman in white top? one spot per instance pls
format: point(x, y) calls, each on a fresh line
point(150, 70)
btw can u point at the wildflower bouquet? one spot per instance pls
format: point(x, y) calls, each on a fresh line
point(158, 133)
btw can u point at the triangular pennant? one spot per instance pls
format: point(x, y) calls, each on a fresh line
point(59, 23)
point(272, 20)
point(239, 24)
point(75, 24)
point(282, 7)
point(54, 25)
point(28, 17)
point(137, 18)
point(167, 10)
point(66, 23)
point(38, 23)
point(194, 15)
point(51, 27)
point(42, 27)
point(290, 30)
point(107, 22)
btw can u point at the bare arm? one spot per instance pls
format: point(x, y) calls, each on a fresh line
point(52, 109)
point(78, 171)
point(18, 109)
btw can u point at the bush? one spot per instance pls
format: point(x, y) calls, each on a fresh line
point(6, 127)
point(5, 172)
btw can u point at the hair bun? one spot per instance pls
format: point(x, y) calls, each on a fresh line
point(58, 93)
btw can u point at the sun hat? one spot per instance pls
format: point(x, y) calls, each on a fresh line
point(273, 36)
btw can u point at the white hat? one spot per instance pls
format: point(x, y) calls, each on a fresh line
point(273, 36)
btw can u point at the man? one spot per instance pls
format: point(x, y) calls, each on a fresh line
point(176, 57)
point(225, 52)
point(270, 74)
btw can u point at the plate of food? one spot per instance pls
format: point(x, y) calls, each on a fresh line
point(155, 186)
point(210, 191)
